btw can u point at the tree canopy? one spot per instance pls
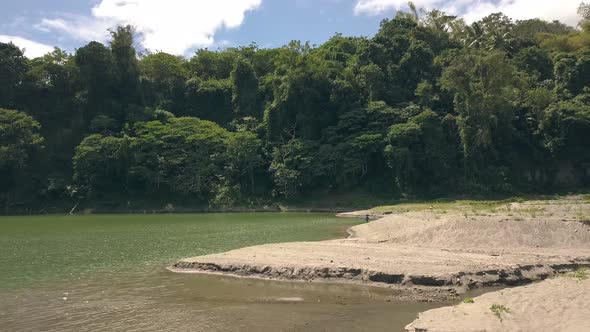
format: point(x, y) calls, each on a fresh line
point(428, 106)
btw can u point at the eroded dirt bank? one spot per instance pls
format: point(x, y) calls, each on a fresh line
point(456, 245)
point(351, 260)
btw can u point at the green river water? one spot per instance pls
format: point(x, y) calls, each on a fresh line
point(108, 273)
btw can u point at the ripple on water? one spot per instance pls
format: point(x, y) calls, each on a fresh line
point(166, 301)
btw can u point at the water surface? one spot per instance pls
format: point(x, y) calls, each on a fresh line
point(107, 273)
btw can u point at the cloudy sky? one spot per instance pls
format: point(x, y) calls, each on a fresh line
point(181, 26)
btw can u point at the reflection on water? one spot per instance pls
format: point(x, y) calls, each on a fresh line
point(164, 301)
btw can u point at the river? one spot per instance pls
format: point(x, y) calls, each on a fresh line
point(107, 273)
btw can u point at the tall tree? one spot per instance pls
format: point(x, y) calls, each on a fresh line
point(485, 86)
point(13, 66)
point(163, 80)
point(126, 64)
point(245, 90)
point(19, 142)
point(97, 76)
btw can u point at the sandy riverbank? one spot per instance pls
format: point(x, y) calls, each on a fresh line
point(511, 244)
point(559, 304)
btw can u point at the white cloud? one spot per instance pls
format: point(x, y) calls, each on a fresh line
point(173, 26)
point(32, 48)
point(472, 10)
point(79, 27)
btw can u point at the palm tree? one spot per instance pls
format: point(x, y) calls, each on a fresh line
point(414, 11)
point(475, 36)
point(501, 41)
point(438, 20)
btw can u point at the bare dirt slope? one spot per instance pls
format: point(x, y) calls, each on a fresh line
point(442, 245)
point(549, 224)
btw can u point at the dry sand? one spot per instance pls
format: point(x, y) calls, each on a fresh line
point(512, 245)
point(559, 304)
point(516, 244)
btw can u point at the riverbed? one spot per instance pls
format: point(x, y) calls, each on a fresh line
point(108, 273)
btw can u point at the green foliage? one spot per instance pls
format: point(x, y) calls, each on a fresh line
point(163, 68)
point(20, 144)
point(209, 100)
point(441, 206)
point(579, 274)
point(245, 90)
point(535, 61)
point(529, 30)
point(486, 88)
point(126, 63)
point(584, 12)
point(180, 157)
point(573, 41)
point(493, 33)
point(97, 70)
point(207, 64)
point(418, 155)
point(13, 66)
point(499, 309)
point(103, 124)
point(428, 106)
point(292, 167)
point(163, 80)
point(245, 159)
point(100, 164)
point(565, 126)
point(468, 300)
point(19, 138)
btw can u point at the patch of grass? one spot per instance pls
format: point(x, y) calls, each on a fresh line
point(468, 300)
point(498, 310)
point(476, 205)
point(468, 206)
point(533, 211)
point(579, 274)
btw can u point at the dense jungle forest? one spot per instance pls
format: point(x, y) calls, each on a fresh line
point(430, 106)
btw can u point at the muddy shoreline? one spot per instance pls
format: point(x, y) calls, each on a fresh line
point(516, 276)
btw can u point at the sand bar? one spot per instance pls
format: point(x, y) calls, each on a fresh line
point(461, 248)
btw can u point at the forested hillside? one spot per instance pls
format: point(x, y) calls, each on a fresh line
point(428, 107)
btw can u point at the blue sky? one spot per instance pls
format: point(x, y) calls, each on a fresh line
point(181, 26)
point(278, 21)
